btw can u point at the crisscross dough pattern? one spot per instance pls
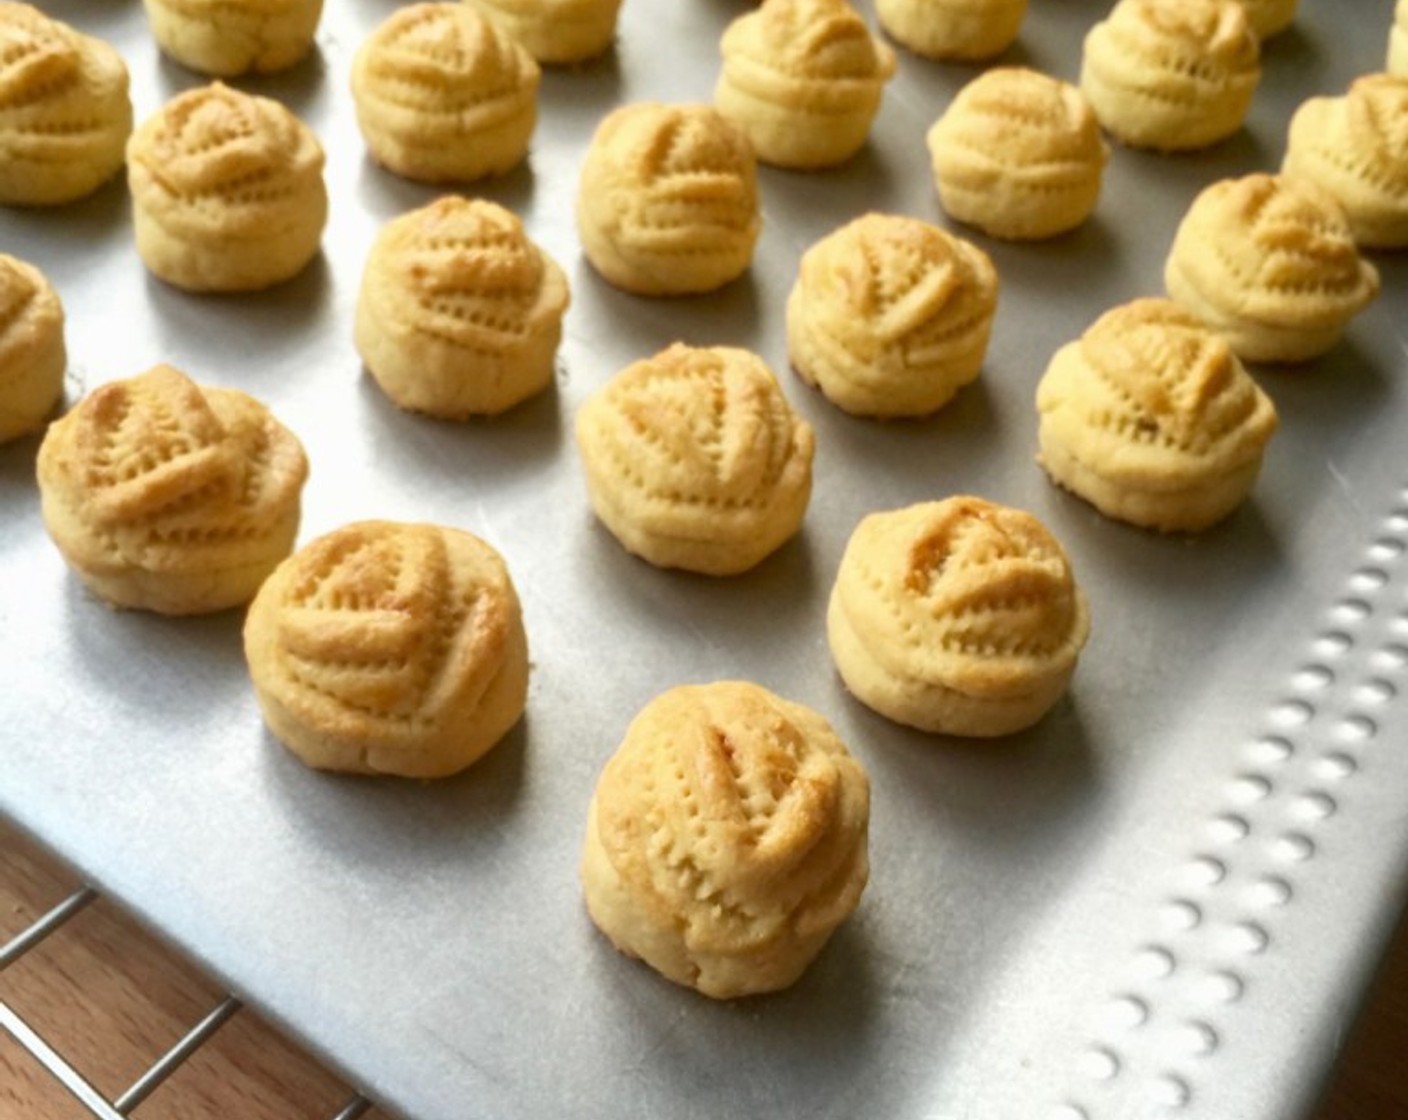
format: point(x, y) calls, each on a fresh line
point(1018, 154)
point(1152, 418)
point(442, 95)
point(890, 316)
point(960, 616)
point(804, 80)
point(172, 497)
point(389, 648)
point(970, 30)
point(1270, 262)
point(1171, 74)
point(1356, 147)
point(227, 191)
point(224, 38)
point(695, 460)
point(32, 353)
point(727, 838)
point(668, 200)
point(65, 113)
point(460, 313)
point(555, 31)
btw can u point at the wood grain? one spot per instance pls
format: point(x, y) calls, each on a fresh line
point(111, 998)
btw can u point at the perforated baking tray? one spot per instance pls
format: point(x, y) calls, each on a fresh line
point(1164, 899)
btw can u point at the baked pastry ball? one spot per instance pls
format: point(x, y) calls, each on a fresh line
point(1151, 418)
point(1269, 17)
point(695, 460)
point(965, 30)
point(224, 38)
point(668, 201)
point(32, 355)
point(960, 617)
point(442, 95)
point(726, 839)
point(65, 113)
point(1019, 155)
point(1173, 75)
point(1269, 262)
point(1356, 147)
point(460, 314)
point(389, 648)
point(1397, 62)
point(227, 191)
point(171, 497)
point(803, 78)
point(890, 316)
point(555, 31)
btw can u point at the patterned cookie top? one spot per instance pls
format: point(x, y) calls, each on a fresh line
point(1022, 123)
point(964, 592)
point(680, 179)
point(698, 436)
point(30, 314)
point(1151, 397)
point(170, 475)
point(219, 163)
point(1179, 50)
point(446, 66)
point(383, 633)
point(465, 272)
point(885, 283)
point(820, 42)
point(1273, 249)
point(738, 814)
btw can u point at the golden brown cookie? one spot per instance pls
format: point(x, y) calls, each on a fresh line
point(726, 839)
point(389, 648)
point(555, 31)
point(227, 191)
point(1269, 262)
point(1397, 62)
point(442, 95)
point(960, 616)
point(694, 459)
point(65, 113)
point(1356, 147)
point(224, 38)
point(1171, 74)
point(460, 314)
point(966, 30)
point(668, 200)
point(803, 78)
point(32, 354)
point(890, 316)
point(1018, 154)
point(1151, 418)
point(170, 497)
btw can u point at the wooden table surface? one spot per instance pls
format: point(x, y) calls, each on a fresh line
point(111, 998)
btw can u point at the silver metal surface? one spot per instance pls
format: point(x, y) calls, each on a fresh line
point(1163, 900)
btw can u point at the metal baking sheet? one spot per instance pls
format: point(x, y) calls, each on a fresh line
point(1166, 899)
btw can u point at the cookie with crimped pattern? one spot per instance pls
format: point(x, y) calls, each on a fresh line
point(442, 95)
point(65, 112)
point(168, 496)
point(1018, 154)
point(959, 616)
point(460, 313)
point(966, 30)
point(32, 353)
point(1152, 419)
point(726, 838)
point(668, 200)
point(804, 79)
point(227, 191)
point(1270, 263)
point(224, 39)
point(695, 460)
point(389, 648)
point(1173, 75)
point(890, 316)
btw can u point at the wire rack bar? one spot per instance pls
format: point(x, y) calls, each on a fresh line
point(51, 1060)
point(169, 1062)
point(27, 939)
